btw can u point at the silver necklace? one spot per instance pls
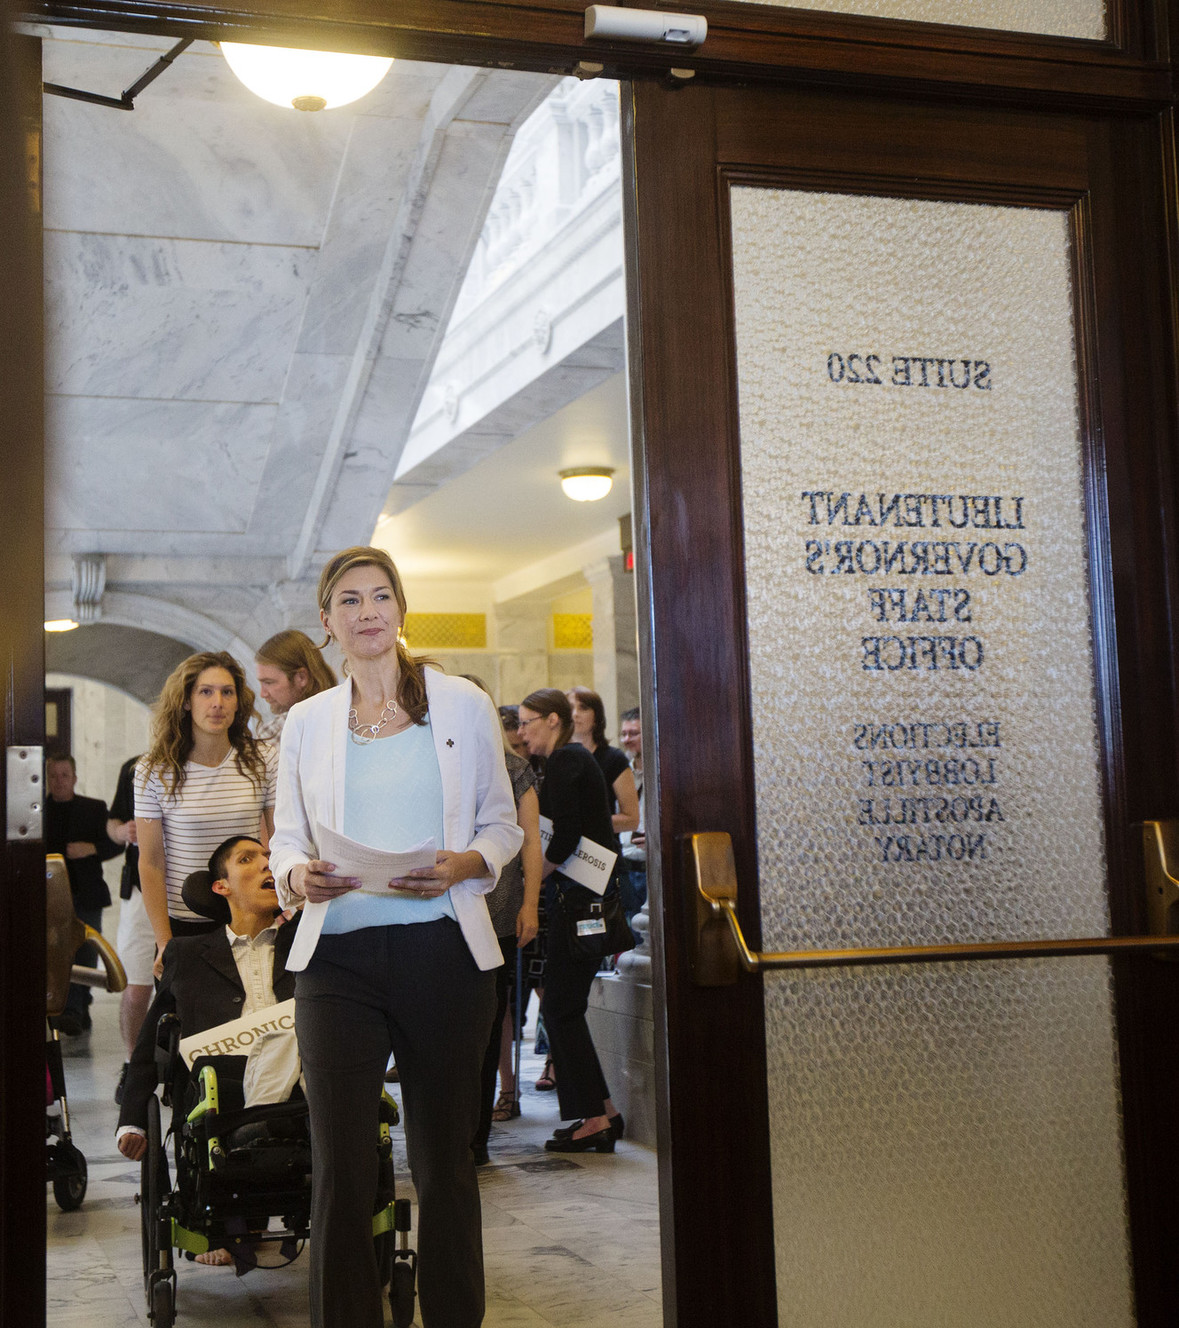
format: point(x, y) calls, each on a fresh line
point(363, 734)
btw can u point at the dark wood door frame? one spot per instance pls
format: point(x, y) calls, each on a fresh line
point(745, 41)
point(22, 884)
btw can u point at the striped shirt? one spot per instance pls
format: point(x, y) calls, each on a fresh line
point(214, 803)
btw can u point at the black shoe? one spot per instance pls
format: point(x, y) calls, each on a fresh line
point(119, 1085)
point(602, 1142)
point(617, 1127)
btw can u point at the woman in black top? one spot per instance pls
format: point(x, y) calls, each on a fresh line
point(589, 729)
point(574, 797)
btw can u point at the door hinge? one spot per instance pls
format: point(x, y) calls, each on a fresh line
point(26, 793)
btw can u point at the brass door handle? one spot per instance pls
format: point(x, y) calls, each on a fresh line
point(719, 950)
point(111, 976)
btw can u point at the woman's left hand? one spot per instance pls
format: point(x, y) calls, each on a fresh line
point(449, 868)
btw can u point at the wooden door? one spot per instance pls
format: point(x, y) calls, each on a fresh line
point(729, 644)
point(1079, 131)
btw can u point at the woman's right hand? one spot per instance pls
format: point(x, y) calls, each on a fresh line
point(314, 881)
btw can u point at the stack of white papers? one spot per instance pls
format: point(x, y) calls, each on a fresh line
point(374, 868)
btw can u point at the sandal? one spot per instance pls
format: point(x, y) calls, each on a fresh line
point(507, 1107)
point(547, 1081)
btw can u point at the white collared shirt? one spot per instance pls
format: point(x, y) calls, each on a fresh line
point(254, 958)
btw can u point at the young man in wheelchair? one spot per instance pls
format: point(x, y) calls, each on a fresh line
point(212, 979)
point(215, 978)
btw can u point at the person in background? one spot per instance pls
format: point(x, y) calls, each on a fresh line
point(75, 827)
point(136, 943)
point(289, 668)
point(514, 906)
point(399, 754)
point(589, 729)
point(634, 842)
point(510, 719)
point(532, 971)
point(205, 776)
point(573, 795)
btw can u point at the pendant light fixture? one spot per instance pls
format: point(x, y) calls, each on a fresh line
point(305, 80)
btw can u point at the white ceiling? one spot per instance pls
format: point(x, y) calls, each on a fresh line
point(508, 511)
point(243, 304)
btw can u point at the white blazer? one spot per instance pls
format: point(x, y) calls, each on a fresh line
point(478, 810)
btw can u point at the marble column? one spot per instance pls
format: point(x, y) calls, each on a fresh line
point(616, 661)
point(522, 643)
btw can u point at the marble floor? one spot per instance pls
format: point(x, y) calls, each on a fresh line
point(569, 1241)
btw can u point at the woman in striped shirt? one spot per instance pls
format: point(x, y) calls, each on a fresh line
point(205, 777)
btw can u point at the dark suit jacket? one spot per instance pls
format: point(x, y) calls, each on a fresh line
point(84, 820)
point(201, 985)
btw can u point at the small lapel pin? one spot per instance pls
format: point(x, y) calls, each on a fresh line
point(450, 742)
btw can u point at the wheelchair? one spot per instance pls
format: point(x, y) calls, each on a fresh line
point(240, 1178)
point(238, 1168)
point(65, 1163)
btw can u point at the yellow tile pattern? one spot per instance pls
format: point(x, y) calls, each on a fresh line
point(573, 631)
point(446, 631)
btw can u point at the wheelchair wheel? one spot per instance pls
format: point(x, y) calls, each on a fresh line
point(385, 1245)
point(70, 1189)
point(157, 1252)
point(163, 1308)
point(149, 1190)
point(402, 1293)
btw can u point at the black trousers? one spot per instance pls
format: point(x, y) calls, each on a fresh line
point(581, 1086)
point(414, 991)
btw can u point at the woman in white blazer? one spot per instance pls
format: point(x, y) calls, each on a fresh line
point(396, 756)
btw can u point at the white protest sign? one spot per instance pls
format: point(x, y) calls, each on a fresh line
point(239, 1036)
point(589, 864)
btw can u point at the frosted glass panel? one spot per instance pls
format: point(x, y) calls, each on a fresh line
point(947, 1141)
point(1052, 18)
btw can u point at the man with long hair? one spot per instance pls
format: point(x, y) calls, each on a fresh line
point(289, 668)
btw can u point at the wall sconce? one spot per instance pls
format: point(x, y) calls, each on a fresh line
point(586, 484)
point(305, 80)
point(60, 625)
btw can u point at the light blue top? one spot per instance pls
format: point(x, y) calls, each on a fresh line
point(392, 800)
